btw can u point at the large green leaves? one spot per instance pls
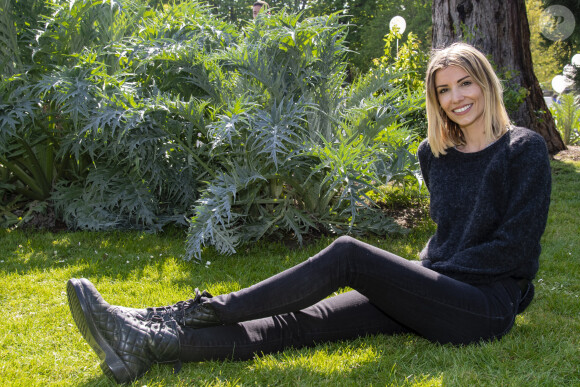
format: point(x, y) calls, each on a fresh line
point(298, 148)
point(103, 99)
point(566, 112)
point(133, 117)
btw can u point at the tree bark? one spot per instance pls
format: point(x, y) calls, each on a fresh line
point(500, 30)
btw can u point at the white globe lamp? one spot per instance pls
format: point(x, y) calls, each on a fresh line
point(399, 23)
point(559, 83)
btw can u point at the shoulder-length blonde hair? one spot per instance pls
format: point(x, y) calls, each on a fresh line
point(443, 133)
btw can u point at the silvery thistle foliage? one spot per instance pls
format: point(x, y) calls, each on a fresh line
point(133, 122)
point(126, 116)
point(299, 148)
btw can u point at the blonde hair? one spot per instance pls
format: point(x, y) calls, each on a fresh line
point(443, 133)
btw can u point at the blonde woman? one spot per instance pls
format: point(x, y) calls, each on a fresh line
point(489, 184)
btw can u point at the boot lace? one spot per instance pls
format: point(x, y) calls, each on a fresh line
point(177, 310)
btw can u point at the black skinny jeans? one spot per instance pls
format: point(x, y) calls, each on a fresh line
point(392, 295)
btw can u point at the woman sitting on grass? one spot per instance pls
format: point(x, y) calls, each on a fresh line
point(489, 184)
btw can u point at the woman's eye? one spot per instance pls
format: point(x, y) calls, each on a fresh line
point(466, 83)
point(441, 91)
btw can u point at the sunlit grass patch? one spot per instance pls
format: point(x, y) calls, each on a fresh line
point(41, 346)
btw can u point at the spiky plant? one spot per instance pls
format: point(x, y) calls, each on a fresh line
point(110, 80)
point(301, 149)
point(27, 148)
point(155, 117)
point(566, 114)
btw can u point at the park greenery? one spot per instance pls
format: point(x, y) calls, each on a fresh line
point(368, 21)
point(566, 113)
point(41, 346)
point(187, 117)
point(138, 114)
point(121, 115)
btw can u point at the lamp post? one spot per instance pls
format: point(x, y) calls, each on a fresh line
point(399, 23)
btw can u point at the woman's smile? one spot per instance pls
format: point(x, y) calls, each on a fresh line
point(463, 109)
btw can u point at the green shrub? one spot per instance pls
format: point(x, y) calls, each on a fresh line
point(408, 62)
point(101, 123)
point(566, 113)
point(129, 116)
point(301, 150)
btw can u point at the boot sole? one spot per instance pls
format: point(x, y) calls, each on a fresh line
point(112, 365)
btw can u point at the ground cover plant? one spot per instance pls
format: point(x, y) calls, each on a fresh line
point(41, 346)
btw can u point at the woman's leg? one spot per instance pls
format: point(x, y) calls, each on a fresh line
point(435, 306)
point(128, 344)
point(345, 316)
point(402, 297)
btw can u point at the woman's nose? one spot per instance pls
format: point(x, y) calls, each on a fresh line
point(456, 95)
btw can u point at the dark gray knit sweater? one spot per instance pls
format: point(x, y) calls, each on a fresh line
point(490, 208)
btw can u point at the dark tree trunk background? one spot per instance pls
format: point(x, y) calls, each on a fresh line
point(500, 30)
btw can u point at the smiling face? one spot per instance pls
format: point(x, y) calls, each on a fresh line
point(460, 98)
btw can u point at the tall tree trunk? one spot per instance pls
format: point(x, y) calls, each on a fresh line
point(499, 29)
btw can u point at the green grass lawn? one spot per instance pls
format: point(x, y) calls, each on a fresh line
point(40, 345)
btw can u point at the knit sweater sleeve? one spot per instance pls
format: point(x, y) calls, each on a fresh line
point(500, 235)
point(425, 155)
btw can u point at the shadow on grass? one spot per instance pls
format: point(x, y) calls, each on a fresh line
point(98, 382)
point(136, 256)
point(30, 251)
point(565, 168)
point(340, 363)
point(378, 359)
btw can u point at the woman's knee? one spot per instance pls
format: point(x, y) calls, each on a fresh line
point(346, 247)
point(345, 243)
point(342, 247)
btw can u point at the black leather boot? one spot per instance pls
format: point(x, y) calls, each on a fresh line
point(127, 346)
point(175, 311)
point(201, 315)
point(189, 313)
